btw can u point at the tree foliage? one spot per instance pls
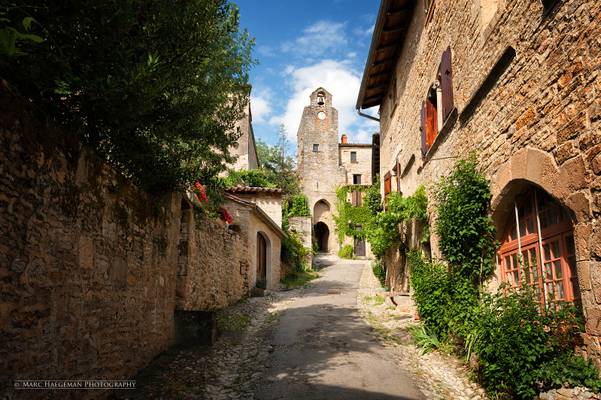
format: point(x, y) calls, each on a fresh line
point(155, 87)
point(280, 164)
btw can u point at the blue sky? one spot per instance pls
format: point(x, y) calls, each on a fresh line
point(301, 45)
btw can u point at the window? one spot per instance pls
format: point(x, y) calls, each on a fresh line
point(356, 179)
point(538, 249)
point(315, 148)
point(387, 184)
point(353, 156)
point(438, 104)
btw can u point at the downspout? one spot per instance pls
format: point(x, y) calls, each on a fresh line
point(367, 115)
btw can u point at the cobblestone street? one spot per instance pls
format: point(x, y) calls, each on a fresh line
point(326, 340)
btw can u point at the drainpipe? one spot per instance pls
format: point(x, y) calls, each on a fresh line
point(367, 115)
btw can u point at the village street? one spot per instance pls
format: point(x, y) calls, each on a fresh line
point(324, 341)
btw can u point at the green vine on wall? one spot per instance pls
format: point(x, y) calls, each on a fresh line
point(351, 221)
point(383, 231)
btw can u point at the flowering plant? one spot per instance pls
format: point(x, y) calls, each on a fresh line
point(226, 216)
point(201, 192)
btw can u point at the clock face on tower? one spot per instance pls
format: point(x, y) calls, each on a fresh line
point(321, 115)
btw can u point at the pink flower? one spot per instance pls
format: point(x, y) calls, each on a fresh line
point(202, 193)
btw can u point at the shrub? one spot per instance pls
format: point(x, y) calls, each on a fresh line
point(431, 292)
point(521, 348)
point(379, 272)
point(294, 253)
point(298, 206)
point(466, 231)
point(569, 370)
point(346, 251)
point(383, 229)
point(252, 177)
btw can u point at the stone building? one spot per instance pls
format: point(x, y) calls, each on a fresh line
point(518, 84)
point(246, 149)
point(324, 164)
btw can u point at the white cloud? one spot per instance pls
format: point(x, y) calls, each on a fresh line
point(342, 82)
point(320, 38)
point(260, 106)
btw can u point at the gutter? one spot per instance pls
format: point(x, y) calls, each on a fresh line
point(367, 115)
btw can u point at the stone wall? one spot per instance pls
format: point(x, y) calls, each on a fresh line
point(246, 148)
point(214, 268)
point(539, 124)
point(303, 226)
point(89, 263)
point(87, 267)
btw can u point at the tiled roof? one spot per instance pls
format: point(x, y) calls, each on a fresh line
point(253, 189)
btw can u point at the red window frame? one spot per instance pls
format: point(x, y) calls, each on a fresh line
point(556, 278)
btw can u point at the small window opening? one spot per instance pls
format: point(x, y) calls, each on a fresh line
point(356, 179)
point(320, 99)
point(315, 148)
point(353, 156)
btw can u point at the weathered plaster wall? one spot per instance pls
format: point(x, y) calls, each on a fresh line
point(271, 203)
point(540, 122)
point(249, 223)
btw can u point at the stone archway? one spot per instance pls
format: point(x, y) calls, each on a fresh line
point(263, 259)
point(567, 184)
point(322, 236)
point(321, 211)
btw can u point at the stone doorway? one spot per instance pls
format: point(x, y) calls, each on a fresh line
point(322, 235)
point(262, 260)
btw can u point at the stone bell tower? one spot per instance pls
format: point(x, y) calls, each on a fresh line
point(319, 167)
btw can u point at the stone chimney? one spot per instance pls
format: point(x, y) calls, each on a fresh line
point(343, 139)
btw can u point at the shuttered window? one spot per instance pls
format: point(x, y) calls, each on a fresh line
point(438, 105)
point(387, 186)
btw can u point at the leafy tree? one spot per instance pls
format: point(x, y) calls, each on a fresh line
point(280, 164)
point(153, 86)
